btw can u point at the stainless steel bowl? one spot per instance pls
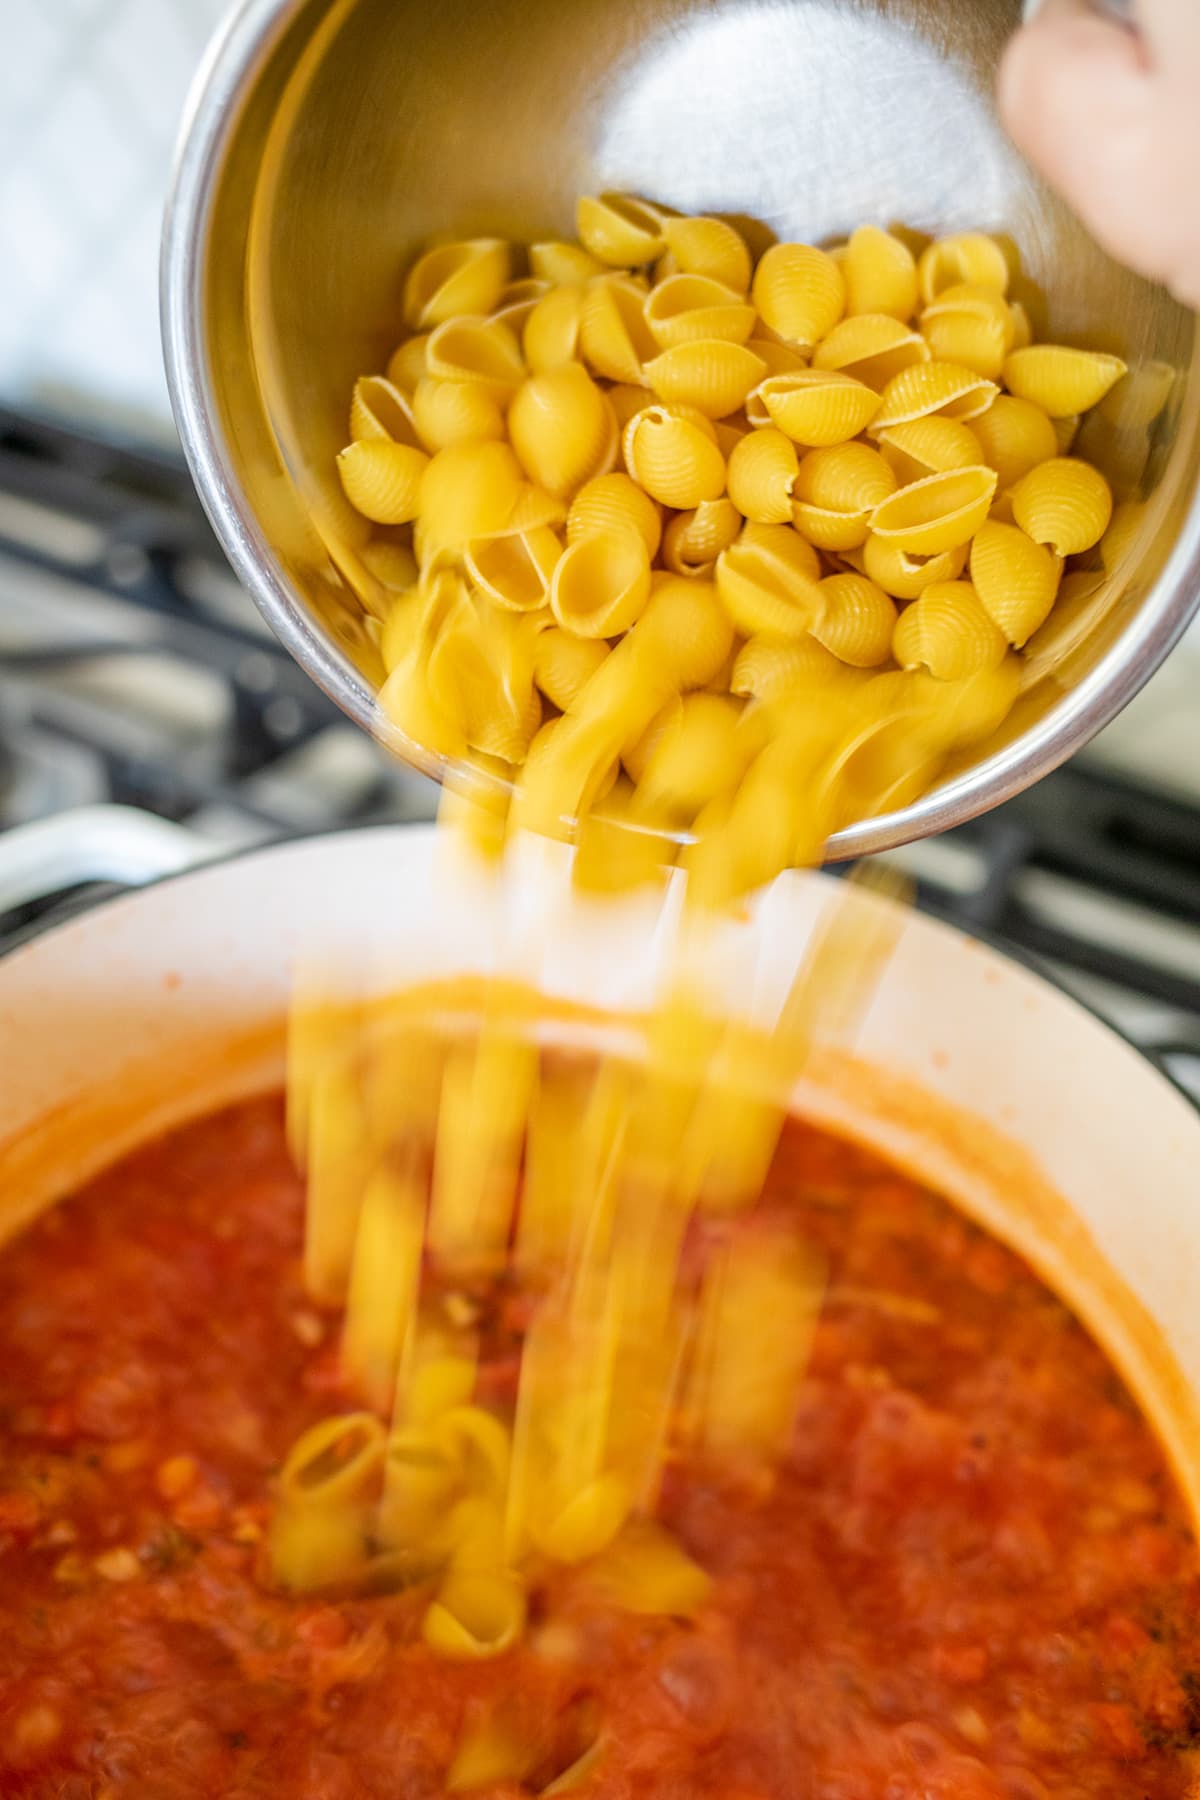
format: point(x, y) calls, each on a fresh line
point(325, 139)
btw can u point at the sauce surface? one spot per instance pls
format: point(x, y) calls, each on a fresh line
point(972, 1580)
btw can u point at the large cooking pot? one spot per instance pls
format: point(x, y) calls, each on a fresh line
point(326, 139)
point(968, 1070)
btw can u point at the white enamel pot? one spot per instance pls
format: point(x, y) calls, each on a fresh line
point(966, 1069)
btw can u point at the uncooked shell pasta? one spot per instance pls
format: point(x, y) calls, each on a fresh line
point(638, 496)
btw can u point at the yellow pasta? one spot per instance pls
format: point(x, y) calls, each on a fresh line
point(379, 409)
point(709, 247)
point(1016, 580)
point(970, 257)
point(562, 429)
point(1014, 436)
point(514, 570)
point(455, 279)
point(949, 632)
point(799, 292)
point(601, 582)
point(706, 754)
point(873, 347)
point(636, 755)
point(1140, 397)
point(685, 630)
point(468, 491)
point(612, 500)
point(454, 412)
point(517, 301)
point(551, 332)
point(408, 362)
point(767, 667)
point(1059, 380)
point(614, 338)
point(560, 262)
point(619, 230)
point(939, 513)
point(856, 621)
point(932, 446)
point(880, 274)
point(1119, 539)
point(709, 374)
point(762, 469)
point(627, 398)
point(685, 307)
point(671, 452)
point(769, 581)
point(847, 478)
point(970, 336)
point(1066, 430)
point(392, 564)
point(383, 480)
point(818, 408)
point(930, 388)
point(693, 540)
point(905, 576)
point(477, 350)
point(563, 663)
point(1064, 503)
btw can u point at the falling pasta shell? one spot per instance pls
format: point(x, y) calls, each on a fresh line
point(799, 292)
point(383, 480)
point(563, 664)
point(672, 453)
point(936, 514)
point(480, 350)
point(619, 229)
point(1060, 380)
point(693, 540)
point(453, 280)
point(762, 468)
point(686, 307)
point(933, 387)
point(454, 412)
point(710, 374)
point(767, 667)
point(818, 408)
point(856, 621)
point(614, 338)
point(614, 500)
point(873, 347)
point(949, 632)
point(1016, 580)
point(562, 429)
point(768, 582)
point(1064, 503)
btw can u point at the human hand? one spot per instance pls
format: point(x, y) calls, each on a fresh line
point(1111, 116)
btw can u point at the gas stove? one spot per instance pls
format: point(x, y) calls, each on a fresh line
point(133, 669)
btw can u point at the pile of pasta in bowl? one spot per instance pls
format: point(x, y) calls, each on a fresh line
point(720, 554)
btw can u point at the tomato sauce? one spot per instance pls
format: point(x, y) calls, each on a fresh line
point(972, 1580)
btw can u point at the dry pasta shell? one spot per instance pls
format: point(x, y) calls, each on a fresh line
point(904, 576)
point(781, 359)
point(452, 280)
point(768, 582)
point(873, 347)
point(562, 429)
point(665, 723)
point(1140, 397)
point(703, 755)
point(379, 409)
point(394, 565)
point(856, 622)
point(518, 300)
point(1016, 580)
point(969, 257)
point(949, 632)
point(766, 667)
point(558, 262)
point(818, 408)
point(686, 307)
point(703, 246)
point(1064, 503)
point(672, 453)
point(969, 339)
point(848, 478)
point(479, 350)
point(468, 491)
point(454, 412)
point(614, 337)
point(1061, 381)
point(710, 374)
point(532, 509)
point(762, 468)
point(684, 636)
point(409, 362)
point(514, 570)
point(619, 230)
point(1014, 436)
point(829, 530)
point(611, 501)
point(626, 399)
point(799, 292)
point(563, 664)
point(932, 446)
point(880, 274)
point(601, 583)
point(939, 513)
point(383, 480)
point(980, 302)
point(946, 389)
point(730, 433)
point(551, 334)
point(693, 540)
point(400, 628)
point(954, 715)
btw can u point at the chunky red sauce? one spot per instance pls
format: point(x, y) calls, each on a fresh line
point(974, 1580)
